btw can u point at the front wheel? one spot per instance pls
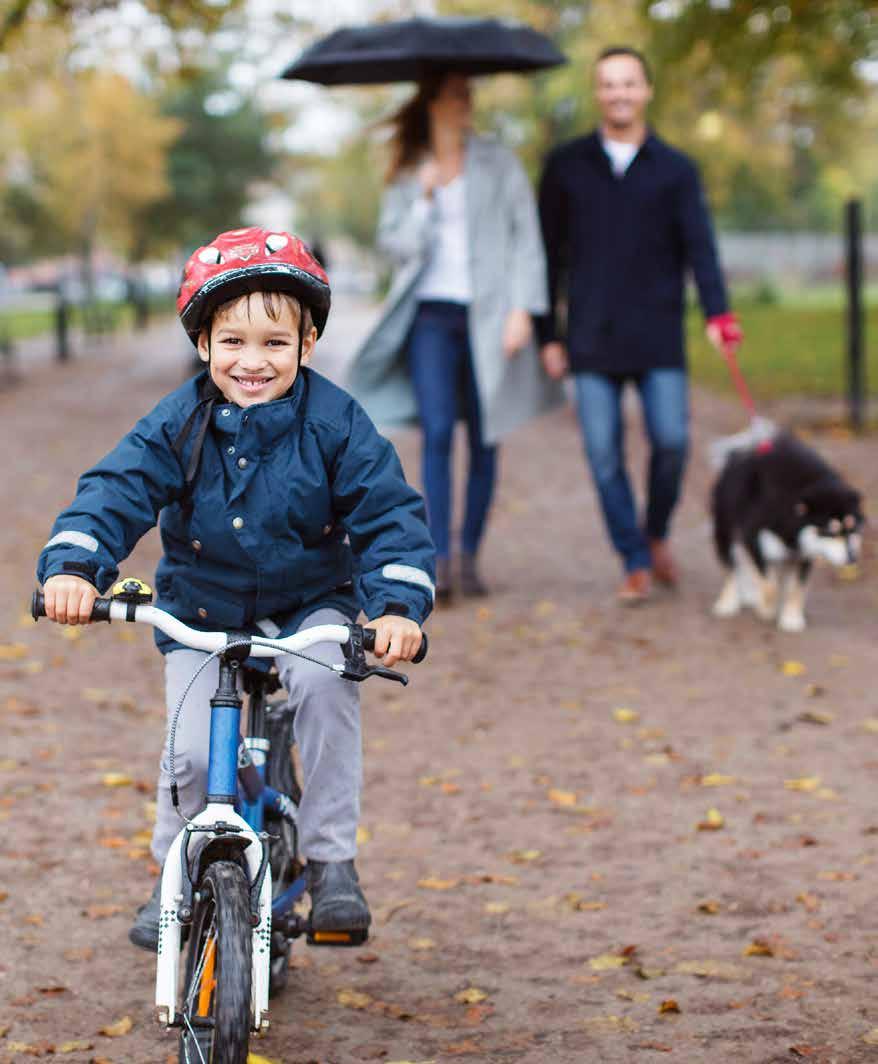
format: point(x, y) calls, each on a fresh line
point(216, 994)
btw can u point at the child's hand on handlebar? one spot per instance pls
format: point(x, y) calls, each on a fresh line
point(69, 599)
point(396, 639)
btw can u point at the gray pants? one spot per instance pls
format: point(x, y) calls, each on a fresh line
point(327, 732)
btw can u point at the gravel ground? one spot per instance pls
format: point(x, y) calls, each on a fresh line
point(589, 834)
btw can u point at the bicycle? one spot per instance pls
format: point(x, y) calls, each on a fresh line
point(229, 886)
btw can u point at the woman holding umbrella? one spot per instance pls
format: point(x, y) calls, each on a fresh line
point(459, 222)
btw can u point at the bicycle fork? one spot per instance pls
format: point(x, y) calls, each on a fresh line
point(226, 833)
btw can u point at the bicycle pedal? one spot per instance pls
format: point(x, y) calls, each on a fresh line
point(338, 938)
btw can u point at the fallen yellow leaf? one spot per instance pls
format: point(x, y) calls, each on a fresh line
point(363, 835)
point(421, 945)
point(871, 1037)
point(252, 1058)
point(116, 779)
point(525, 856)
point(75, 1046)
point(13, 651)
point(116, 1030)
point(471, 996)
point(758, 948)
point(669, 1005)
point(607, 961)
point(713, 821)
point(71, 634)
point(353, 999)
point(871, 725)
point(716, 779)
point(792, 668)
point(562, 798)
point(625, 716)
point(496, 908)
point(431, 883)
point(803, 783)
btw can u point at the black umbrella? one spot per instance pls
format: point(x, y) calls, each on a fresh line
point(416, 48)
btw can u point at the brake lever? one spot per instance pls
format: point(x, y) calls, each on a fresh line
point(357, 668)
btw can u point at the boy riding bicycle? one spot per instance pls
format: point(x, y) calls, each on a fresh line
point(280, 508)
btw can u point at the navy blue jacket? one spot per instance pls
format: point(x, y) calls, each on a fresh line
point(297, 504)
point(620, 247)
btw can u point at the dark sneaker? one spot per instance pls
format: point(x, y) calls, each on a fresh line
point(338, 906)
point(145, 929)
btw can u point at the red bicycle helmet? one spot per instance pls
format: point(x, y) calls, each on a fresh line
point(250, 260)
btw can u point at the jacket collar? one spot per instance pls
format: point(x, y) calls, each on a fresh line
point(268, 422)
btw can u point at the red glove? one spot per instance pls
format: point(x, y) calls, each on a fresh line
point(728, 328)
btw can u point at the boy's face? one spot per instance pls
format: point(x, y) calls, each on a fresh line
point(253, 359)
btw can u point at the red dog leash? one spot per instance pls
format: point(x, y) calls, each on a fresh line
point(730, 336)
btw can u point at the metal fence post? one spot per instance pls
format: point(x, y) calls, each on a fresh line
point(62, 315)
point(856, 370)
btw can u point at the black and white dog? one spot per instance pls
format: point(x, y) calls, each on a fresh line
point(778, 508)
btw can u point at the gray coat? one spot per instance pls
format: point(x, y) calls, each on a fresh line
point(507, 268)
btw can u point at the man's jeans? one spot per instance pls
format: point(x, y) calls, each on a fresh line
point(664, 396)
point(442, 372)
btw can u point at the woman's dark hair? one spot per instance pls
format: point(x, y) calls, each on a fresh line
point(624, 49)
point(411, 128)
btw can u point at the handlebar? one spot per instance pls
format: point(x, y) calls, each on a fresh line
point(109, 609)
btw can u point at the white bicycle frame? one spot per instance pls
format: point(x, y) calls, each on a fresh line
point(168, 965)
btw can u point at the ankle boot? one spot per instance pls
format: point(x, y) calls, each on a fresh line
point(443, 581)
point(337, 902)
point(144, 931)
point(470, 582)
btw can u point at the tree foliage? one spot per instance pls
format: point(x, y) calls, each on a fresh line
point(75, 175)
point(221, 149)
point(178, 14)
point(770, 98)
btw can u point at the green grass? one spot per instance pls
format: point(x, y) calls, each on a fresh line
point(789, 349)
point(23, 324)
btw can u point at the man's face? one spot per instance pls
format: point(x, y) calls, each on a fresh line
point(622, 91)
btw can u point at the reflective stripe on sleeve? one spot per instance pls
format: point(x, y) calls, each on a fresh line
point(74, 539)
point(408, 574)
point(268, 628)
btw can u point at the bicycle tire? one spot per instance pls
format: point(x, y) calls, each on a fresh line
point(218, 970)
point(285, 866)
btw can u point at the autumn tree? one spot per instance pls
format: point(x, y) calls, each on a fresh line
point(177, 14)
point(73, 158)
point(220, 149)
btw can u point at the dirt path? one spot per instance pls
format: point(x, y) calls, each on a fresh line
point(532, 854)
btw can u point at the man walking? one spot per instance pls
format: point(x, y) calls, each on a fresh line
point(623, 217)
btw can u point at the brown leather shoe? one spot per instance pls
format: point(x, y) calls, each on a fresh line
point(664, 568)
point(635, 588)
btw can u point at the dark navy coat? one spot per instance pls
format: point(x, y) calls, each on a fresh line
point(297, 504)
point(621, 246)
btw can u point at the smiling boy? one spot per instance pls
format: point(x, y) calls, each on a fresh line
point(280, 508)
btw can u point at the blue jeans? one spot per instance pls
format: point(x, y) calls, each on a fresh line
point(664, 396)
point(443, 376)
